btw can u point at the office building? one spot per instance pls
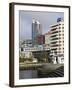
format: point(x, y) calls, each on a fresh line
point(57, 37)
point(36, 31)
point(41, 39)
point(47, 38)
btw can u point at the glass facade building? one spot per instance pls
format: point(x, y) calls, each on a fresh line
point(36, 31)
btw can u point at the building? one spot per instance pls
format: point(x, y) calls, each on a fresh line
point(57, 37)
point(47, 38)
point(36, 31)
point(41, 39)
point(27, 43)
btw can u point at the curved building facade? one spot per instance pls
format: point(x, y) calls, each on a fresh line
point(36, 31)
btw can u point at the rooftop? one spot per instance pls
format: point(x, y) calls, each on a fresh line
point(35, 21)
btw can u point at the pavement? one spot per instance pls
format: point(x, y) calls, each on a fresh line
point(43, 66)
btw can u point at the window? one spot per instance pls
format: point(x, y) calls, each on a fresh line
point(54, 25)
point(59, 27)
point(59, 48)
point(53, 35)
point(55, 32)
point(54, 42)
point(55, 45)
point(59, 41)
point(54, 49)
point(54, 38)
point(53, 29)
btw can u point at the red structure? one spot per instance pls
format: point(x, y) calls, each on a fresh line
point(41, 39)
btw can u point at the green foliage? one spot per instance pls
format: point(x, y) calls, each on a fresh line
point(24, 59)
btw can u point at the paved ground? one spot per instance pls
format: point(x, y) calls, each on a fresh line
point(45, 66)
point(59, 72)
point(41, 70)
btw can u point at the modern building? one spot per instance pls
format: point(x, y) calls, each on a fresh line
point(36, 31)
point(27, 43)
point(47, 38)
point(41, 39)
point(57, 37)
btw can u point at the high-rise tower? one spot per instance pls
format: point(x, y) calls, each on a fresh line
point(36, 31)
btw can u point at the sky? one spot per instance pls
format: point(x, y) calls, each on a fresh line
point(45, 18)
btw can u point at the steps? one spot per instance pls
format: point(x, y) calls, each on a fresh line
point(55, 73)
